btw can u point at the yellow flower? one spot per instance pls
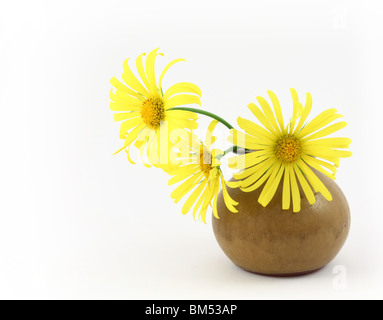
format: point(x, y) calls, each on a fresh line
point(288, 153)
point(202, 173)
point(146, 110)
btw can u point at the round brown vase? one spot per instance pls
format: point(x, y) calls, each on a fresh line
point(277, 242)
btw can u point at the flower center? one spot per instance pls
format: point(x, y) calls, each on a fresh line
point(205, 161)
point(288, 149)
point(153, 112)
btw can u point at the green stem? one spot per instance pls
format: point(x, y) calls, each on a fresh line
point(234, 148)
point(205, 113)
point(231, 149)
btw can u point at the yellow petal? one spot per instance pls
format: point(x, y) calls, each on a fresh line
point(132, 135)
point(153, 149)
point(315, 181)
point(213, 186)
point(181, 99)
point(141, 145)
point(209, 134)
point(179, 122)
point(193, 197)
point(185, 187)
point(184, 172)
point(165, 70)
point(327, 131)
point(233, 184)
point(343, 154)
point(237, 162)
point(119, 86)
point(150, 71)
point(128, 125)
point(297, 110)
point(268, 113)
point(278, 111)
point(182, 87)
point(256, 130)
point(182, 114)
point(246, 141)
point(327, 154)
point(131, 80)
point(123, 98)
point(256, 172)
point(237, 138)
point(319, 122)
point(230, 203)
point(305, 186)
point(295, 191)
point(246, 165)
point(215, 211)
point(141, 70)
point(271, 186)
point(116, 106)
point(200, 200)
point(294, 94)
point(261, 117)
point(128, 155)
point(305, 113)
point(319, 164)
point(125, 115)
point(259, 183)
point(338, 143)
point(205, 205)
point(286, 195)
point(248, 162)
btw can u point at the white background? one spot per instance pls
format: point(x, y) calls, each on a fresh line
point(77, 222)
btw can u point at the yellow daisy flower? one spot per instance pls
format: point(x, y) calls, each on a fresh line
point(202, 173)
point(146, 109)
point(288, 154)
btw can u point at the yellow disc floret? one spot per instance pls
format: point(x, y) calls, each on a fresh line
point(205, 161)
point(288, 148)
point(153, 112)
